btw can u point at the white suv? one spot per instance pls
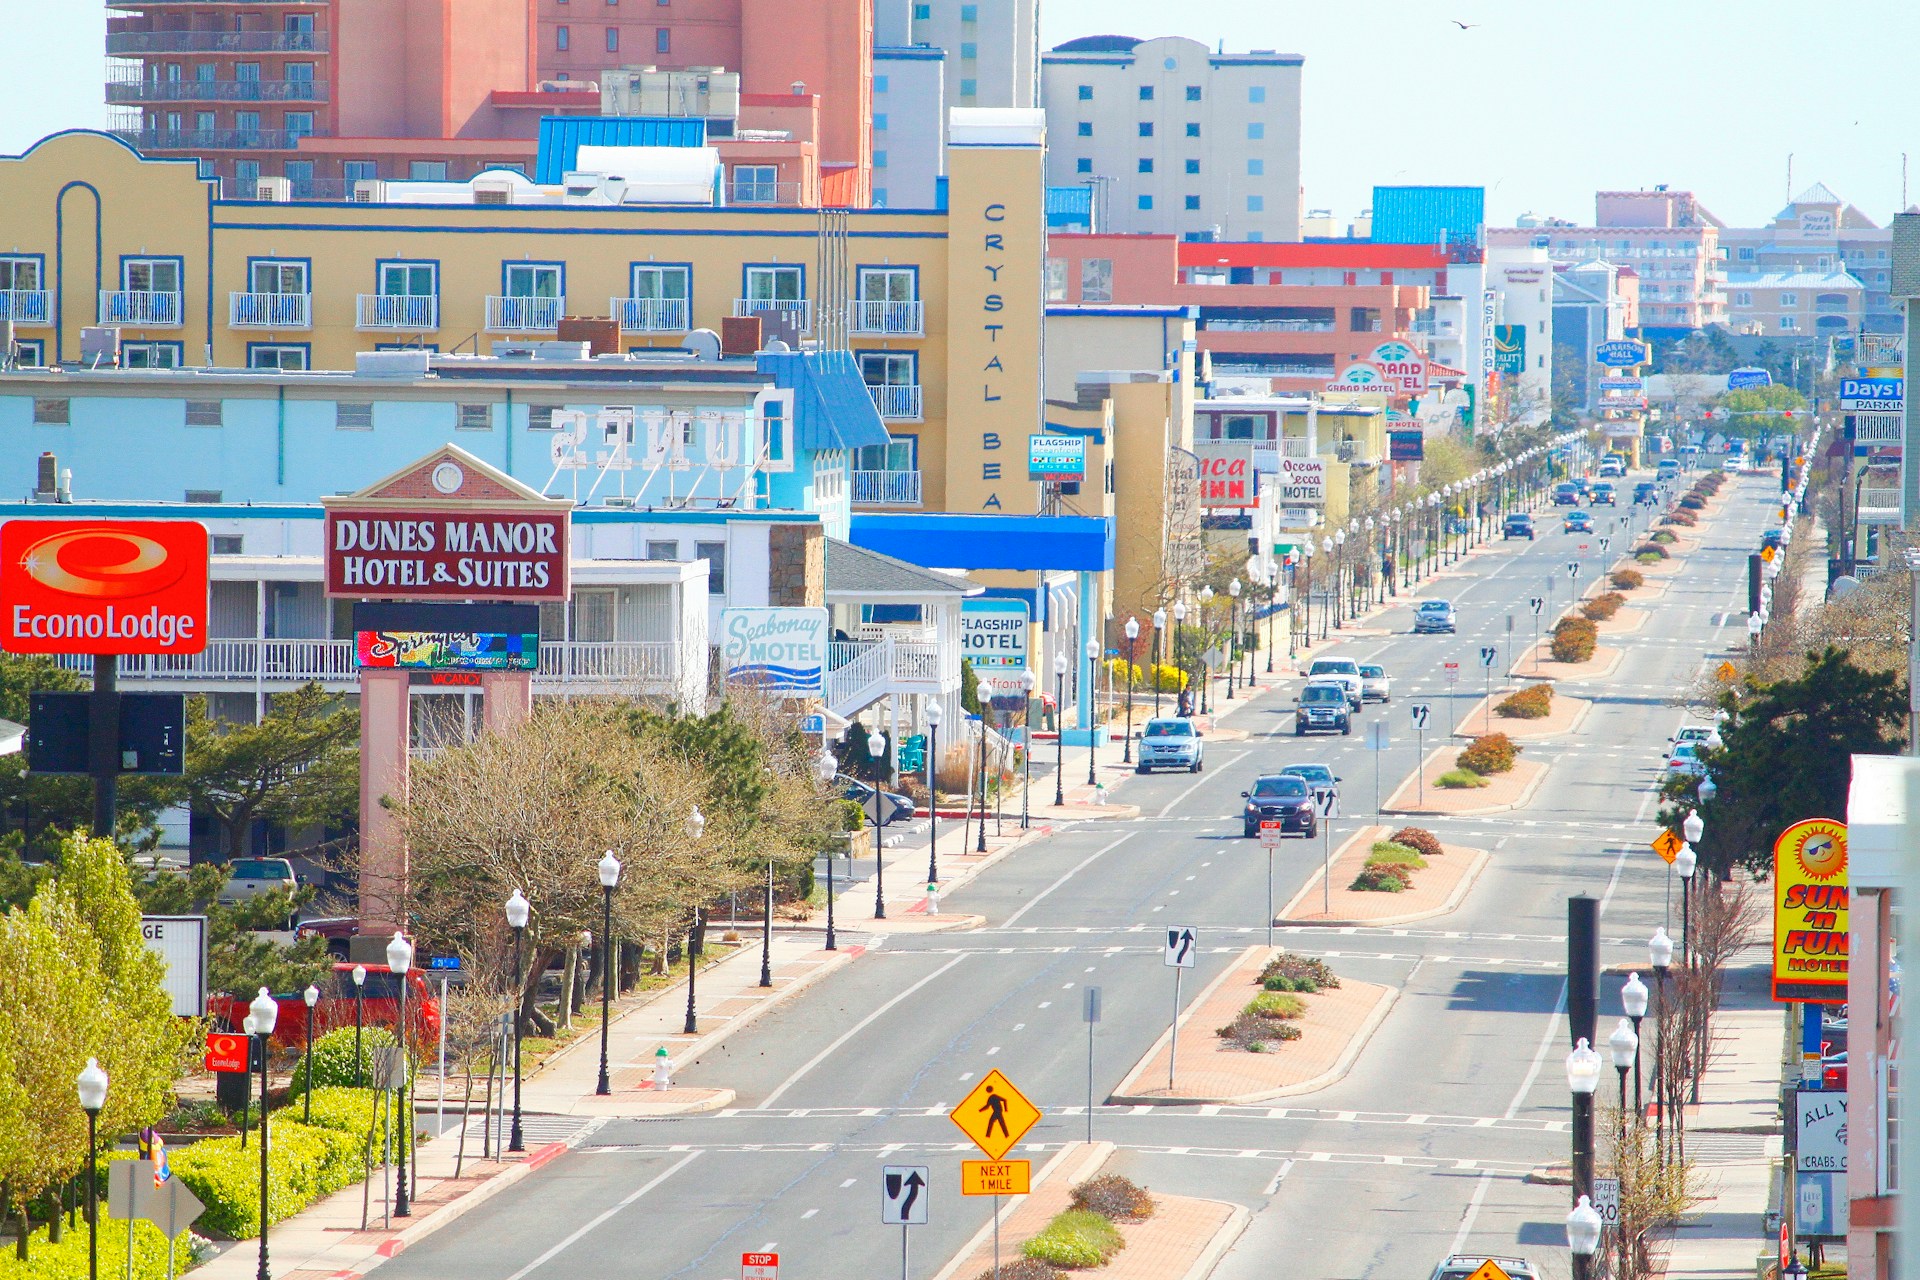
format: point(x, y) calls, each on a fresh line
point(1342, 671)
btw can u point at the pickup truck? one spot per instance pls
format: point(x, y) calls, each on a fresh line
point(1344, 672)
point(251, 877)
point(381, 1006)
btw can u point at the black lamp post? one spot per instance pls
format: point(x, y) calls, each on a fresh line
point(359, 1023)
point(1624, 1047)
point(934, 714)
point(1206, 671)
point(1090, 695)
point(1179, 663)
point(1660, 953)
point(1583, 1077)
point(265, 1013)
point(1233, 638)
point(519, 911)
point(1583, 1236)
point(1132, 630)
point(1028, 683)
point(311, 996)
point(400, 965)
point(1685, 863)
point(608, 869)
point(827, 767)
point(1159, 629)
point(92, 1087)
point(696, 826)
point(1060, 729)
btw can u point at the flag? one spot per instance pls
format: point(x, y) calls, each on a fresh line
point(153, 1148)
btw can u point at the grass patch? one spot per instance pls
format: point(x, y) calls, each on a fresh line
point(1385, 853)
point(1276, 1004)
point(1460, 780)
point(1076, 1238)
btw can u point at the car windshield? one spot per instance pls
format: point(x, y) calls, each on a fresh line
point(1282, 787)
point(1685, 751)
point(1335, 667)
point(1169, 729)
point(1372, 671)
point(258, 869)
point(1310, 772)
point(1434, 606)
point(1324, 693)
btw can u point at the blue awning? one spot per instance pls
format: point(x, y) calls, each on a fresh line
point(561, 138)
point(832, 407)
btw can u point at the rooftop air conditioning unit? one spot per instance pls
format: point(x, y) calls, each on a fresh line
point(273, 190)
point(493, 193)
point(412, 363)
point(369, 191)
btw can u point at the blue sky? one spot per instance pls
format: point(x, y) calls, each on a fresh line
point(1541, 101)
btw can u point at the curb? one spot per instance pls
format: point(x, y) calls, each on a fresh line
point(1320, 872)
point(1481, 859)
point(1224, 1239)
point(1474, 712)
point(1526, 798)
point(1200, 997)
point(1585, 677)
point(1093, 1157)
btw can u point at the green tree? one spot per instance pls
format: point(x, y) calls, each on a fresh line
point(299, 765)
point(1754, 411)
point(1787, 752)
point(969, 688)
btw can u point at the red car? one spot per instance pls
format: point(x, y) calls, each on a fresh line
point(336, 1007)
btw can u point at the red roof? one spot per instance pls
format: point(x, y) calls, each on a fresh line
point(1359, 256)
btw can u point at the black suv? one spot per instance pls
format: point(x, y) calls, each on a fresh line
point(1518, 525)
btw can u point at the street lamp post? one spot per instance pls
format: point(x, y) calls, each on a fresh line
point(1624, 1047)
point(1660, 955)
point(934, 713)
point(1132, 630)
point(608, 869)
point(265, 1013)
point(696, 826)
point(1059, 729)
point(1233, 638)
point(1028, 683)
point(399, 964)
point(359, 1022)
point(1206, 670)
point(1159, 628)
point(1340, 601)
point(826, 766)
point(519, 911)
point(1093, 717)
point(1273, 598)
point(1583, 1077)
point(1179, 658)
point(92, 1087)
point(1633, 1000)
point(310, 997)
point(1684, 864)
point(1583, 1237)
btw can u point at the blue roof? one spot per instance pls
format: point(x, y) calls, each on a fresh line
point(950, 540)
point(832, 408)
point(1069, 207)
point(561, 138)
point(1428, 215)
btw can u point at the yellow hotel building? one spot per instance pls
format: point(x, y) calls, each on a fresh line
point(942, 308)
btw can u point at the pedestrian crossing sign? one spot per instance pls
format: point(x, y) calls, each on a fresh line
point(1726, 671)
point(995, 1115)
point(1667, 845)
point(1489, 1270)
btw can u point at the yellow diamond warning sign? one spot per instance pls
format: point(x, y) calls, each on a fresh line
point(995, 1115)
point(1489, 1270)
point(1667, 845)
point(1726, 671)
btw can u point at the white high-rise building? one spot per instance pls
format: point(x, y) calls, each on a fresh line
point(1175, 138)
point(992, 46)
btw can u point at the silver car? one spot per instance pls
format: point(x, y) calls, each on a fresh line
point(1375, 684)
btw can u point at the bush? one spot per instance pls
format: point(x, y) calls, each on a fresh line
point(1170, 679)
point(1489, 753)
point(1120, 670)
point(1280, 1005)
point(1692, 502)
point(1650, 556)
point(1022, 1269)
point(303, 1165)
point(1256, 1034)
point(1382, 877)
point(1627, 579)
point(1289, 972)
point(353, 1111)
point(1076, 1238)
point(1685, 519)
point(1663, 537)
point(1385, 853)
point(1420, 838)
point(68, 1259)
point(1531, 703)
point(332, 1058)
point(1653, 549)
point(1460, 780)
point(1115, 1198)
point(1602, 607)
point(1574, 640)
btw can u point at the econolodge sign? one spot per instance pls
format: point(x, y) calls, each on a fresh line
point(103, 586)
point(1810, 912)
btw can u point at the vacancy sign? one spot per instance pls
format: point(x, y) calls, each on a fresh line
point(103, 586)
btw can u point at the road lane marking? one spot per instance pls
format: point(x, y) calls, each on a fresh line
point(808, 1214)
point(855, 1030)
point(1174, 803)
point(563, 1245)
point(1084, 864)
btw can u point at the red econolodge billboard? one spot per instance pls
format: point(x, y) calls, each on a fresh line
point(103, 586)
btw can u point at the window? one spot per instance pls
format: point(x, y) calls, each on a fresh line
point(1789, 299)
point(227, 544)
point(887, 284)
point(880, 121)
point(246, 176)
point(267, 276)
point(409, 279)
point(969, 51)
point(969, 88)
point(289, 358)
point(353, 415)
point(360, 170)
point(969, 13)
point(902, 453)
point(879, 84)
point(1193, 129)
point(244, 122)
point(427, 170)
point(1256, 168)
point(1193, 93)
point(1193, 202)
point(562, 39)
point(532, 280)
point(715, 554)
point(1256, 204)
point(1056, 279)
point(150, 355)
point(613, 39)
point(30, 353)
point(775, 284)
point(880, 159)
point(1193, 166)
point(150, 275)
point(1146, 93)
point(1084, 129)
point(475, 417)
point(1256, 131)
point(670, 286)
point(206, 413)
point(1743, 299)
point(879, 197)
point(594, 615)
point(1146, 128)
point(1144, 203)
point(922, 12)
point(51, 411)
point(1364, 319)
point(756, 184)
point(669, 551)
point(22, 274)
point(662, 40)
point(1096, 279)
point(1086, 93)
point(1789, 322)
point(1083, 165)
point(1256, 93)
point(300, 124)
point(1146, 164)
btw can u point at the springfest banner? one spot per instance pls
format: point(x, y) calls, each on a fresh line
point(1810, 912)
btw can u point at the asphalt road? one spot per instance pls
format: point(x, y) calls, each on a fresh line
point(1418, 1152)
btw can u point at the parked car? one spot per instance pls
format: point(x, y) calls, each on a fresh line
point(1685, 759)
point(894, 807)
point(1170, 743)
point(1566, 494)
point(251, 877)
point(1282, 798)
point(1375, 684)
point(1342, 671)
point(1517, 525)
point(1461, 1265)
point(337, 930)
point(380, 1006)
point(1646, 492)
point(1603, 495)
point(1833, 1072)
point(1433, 617)
point(1323, 707)
point(1577, 522)
point(1690, 733)
point(1319, 779)
point(1733, 464)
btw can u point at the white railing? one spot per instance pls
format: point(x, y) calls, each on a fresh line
point(895, 401)
point(25, 306)
point(335, 662)
point(752, 306)
point(524, 315)
point(856, 675)
point(399, 311)
point(904, 318)
point(270, 311)
point(901, 488)
point(1880, 506)
point(651, 315)
point(141, 308)
point(918, 661)
point(618, 660)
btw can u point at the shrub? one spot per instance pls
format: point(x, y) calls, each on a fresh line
point(1280, 1005)
point(67, 1260)
point(1385, 853)
point(1489, 753)
point(332, 1058)
point(1692, 502)
point(1255, 1034)
point(1289, 972)
point(1422, 839)
point(1574, 640)
point(1075, 1238)
point(1663, 537)
point(353, 1111)
point(1121, 670)
point(1170, 679)
point(1460, 780)
point(303, 1164)
point(1531, 703)
point(1685, 519)
point(1627, 579)
point(1382, 877)
point(1653, 549)
point(1602, 607)
point(1650, 556)
point(1115, 1198)
point(1021, 1269)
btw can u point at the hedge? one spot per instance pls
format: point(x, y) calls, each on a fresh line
point(1489, 753)
point(332, 1058)
point(1650, 555)
point(1684, 518)
point(1419, 838)
point(1531, 703)
point(68, 1259)
point(304, 1162)
point(1663, 537)
point(1627, 579)
point(1650, 548)
point(1693, 502)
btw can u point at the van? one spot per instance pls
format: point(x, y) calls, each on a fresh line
point(1669, 469)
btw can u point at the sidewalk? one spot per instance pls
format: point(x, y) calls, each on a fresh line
point(1734, 1139)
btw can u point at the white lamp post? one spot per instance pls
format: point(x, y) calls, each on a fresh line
point(1583, 1077)
point(519, 911)
point(91, 1084)
point(1132, 630)
point(400, 964)
point(608, 869)
point(264, 1014)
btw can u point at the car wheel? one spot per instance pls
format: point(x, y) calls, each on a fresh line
point(1310, 831)
point(1197, 765)
point(1249, 832)
point(1346, 728)
point(1299, 731)
point(1141, 769)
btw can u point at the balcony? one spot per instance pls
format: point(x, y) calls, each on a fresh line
point(217, 139)
point(901, 319)
point(753, 306)
point(896, 401)
point(283, 663)
point(524, 315)
point(133, 44)
point(133, 89)
point(887, 488)
point(1880, 506)
point(26, 306)
point(650, 315)
point(270, 311)
point(141, 309)
point(391, 311)
point(264, 191)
